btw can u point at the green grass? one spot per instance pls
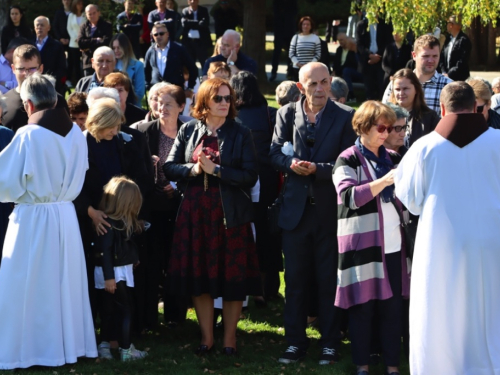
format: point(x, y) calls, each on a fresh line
point(260, 343)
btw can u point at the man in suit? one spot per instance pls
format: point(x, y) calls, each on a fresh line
point(165, 59)
point(371, 41)
point(454, 61)
point(316, 131)
point(52, 52)
point(103, 62)
point(196, 34)
point(94, 33)
point(169, 17)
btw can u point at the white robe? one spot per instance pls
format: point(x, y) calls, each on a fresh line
point(455, 286)
point(45, 316)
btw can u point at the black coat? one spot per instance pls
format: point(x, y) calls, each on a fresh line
point(9, 33)
point(238, 166)
point(132, 28)
point(458, 66)
point(134, 114)
point(54, 62)
point(88, 43)
point(384, 37)
point(174, 26)
point(351, 61)
point(60, 25)
point(395, 59)
point(201, 24)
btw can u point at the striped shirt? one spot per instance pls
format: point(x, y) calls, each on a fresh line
point(432, 90)
point(305, 49)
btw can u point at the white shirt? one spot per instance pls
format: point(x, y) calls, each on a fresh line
point(373, 39)
point(161, 57)
point(450, 44)
point(39, 44)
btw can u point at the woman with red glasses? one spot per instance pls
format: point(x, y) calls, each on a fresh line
point(214, 163)
point(373, 277)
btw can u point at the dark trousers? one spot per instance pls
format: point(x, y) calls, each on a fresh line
point(74, 68)
point(389, 313)
point(281, 42)
point(197, 49)
point(116, 314)
point(351, 75)
point(373, 80)
point(331, 32)
point(311, 251)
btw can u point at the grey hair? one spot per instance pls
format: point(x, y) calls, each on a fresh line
point(39, 91)
point(287, 92)
point(3, 104)
point(104, 50)
point(339, 88)
point(495, 82)
point(51, 79)
point(399, 111)
point(102, 92)
point(46, 19)
point(155, 88)
point(90, 6)
point(236, 35)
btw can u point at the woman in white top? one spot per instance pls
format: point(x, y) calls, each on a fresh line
point(305, 46)
point(75, 19)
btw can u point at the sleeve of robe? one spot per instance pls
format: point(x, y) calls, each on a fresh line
point(409, 180)
point(17, 168)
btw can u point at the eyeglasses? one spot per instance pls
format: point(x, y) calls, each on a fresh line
point(383, 128)
point(219, 98)
point(311, 134)
point(397, 129)
point(480, 108)
point(160, 33)
point(27, 70)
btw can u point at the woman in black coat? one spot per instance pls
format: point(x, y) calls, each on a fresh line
point(255, 114)
point(16, 27)
point(162, 205)
point(213, 254)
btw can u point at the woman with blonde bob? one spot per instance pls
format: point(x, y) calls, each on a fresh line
point(483, 102)
point(373, 276)
point(213, 254)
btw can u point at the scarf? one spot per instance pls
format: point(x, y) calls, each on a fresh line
point(384, 165)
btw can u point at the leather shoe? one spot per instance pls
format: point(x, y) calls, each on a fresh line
point(229, 351)
point(203, 350)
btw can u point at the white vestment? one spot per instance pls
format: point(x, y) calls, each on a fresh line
point(455, 286)
point(45, 316)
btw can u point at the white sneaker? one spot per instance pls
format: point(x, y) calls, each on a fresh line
point(104, 350)
point(132, 354)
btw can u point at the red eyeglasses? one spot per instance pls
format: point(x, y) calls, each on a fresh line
point(383, 128)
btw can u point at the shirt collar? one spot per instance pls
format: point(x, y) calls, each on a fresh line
point(317, 116)
point(164, 49)
point(434, 78)
point(43, 40)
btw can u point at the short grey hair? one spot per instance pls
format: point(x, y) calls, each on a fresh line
point(3, 104)
point(43, 17)
point(51, 79)
point(39, 91)
point(87, 8)
point(287, 92)
point(104, 50)
point(399, 111)
point(102, 92)
point(236, 35)
point(495, 82)
point(339, 88)
point(155, 88)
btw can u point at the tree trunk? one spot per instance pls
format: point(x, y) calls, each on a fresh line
point(254, 35)
point(492, 53)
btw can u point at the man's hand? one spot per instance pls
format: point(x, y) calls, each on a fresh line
point(110, 286)
point(373, 58)
point(98, 220)
point(64, 41)
point(233, 56)
point(302, 167)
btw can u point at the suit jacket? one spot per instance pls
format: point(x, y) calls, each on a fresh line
point(351, 61)
point(393, 60)
point(334, 135)
point(59, 25)
point(177, 58)
point(54, 62)
point(201, 24)
point(458, 66)
point(133, 30)
point(174, 26)
point(87, 41)
point(384, 37)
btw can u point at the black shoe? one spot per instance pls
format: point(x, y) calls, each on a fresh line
point(272, 77)
point(203, 350)
point(328, 356)
point(291, 355)
point(228, 351)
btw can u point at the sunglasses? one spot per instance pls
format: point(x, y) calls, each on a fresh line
point(480, 108)
point(397, 129)
point(160, 34)
point(219, 98)
point(383, 128)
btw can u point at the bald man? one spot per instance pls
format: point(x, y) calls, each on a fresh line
point(52, 53)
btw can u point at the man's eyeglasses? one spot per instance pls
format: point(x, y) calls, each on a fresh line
point(311, 134)
point(160, 33)
point(219, 98)
point(27, 70)
point(397, 129)
point(480, 108)
point(383, 128)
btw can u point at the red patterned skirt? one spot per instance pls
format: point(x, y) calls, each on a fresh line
point(206, 257)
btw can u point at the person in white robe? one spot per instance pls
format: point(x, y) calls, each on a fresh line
point(451, 178)
point(45, 316)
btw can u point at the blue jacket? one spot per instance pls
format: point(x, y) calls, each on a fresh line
point(135, 71)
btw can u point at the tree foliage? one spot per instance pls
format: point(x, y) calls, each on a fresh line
point(422, 16)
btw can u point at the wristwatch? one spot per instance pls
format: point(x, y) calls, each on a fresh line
point(230, 63)
point(216, 170)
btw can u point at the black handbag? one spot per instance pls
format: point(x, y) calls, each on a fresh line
point(409, 229)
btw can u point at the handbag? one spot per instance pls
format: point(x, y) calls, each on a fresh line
point(409, 229)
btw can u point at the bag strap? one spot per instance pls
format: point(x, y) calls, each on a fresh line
point(404, 222)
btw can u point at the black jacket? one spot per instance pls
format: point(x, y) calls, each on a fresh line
point(395, 59)
point(238, 171)
point(114, 249)
point(458, 66)
point(132, 28)
point(384, 37)
point(54, 62)
point(88, 42)
point(172, 20)
point(351, 61)
point(201, 24)
point(60, 25)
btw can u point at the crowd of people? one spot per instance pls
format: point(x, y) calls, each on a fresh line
point(109, 208)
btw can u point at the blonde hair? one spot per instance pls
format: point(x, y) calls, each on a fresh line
point(104, 113)
point(369, 113)
point(122, 201)
point(481, 90)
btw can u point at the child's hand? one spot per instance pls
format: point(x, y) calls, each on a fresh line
point(110, 286)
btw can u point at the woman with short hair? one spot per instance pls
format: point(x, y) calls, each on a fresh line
point(305, 46)
point(483, 102)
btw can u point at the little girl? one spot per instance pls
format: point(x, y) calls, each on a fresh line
point(117, 255)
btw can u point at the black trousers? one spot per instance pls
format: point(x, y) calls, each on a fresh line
point(331, 32)
point(311, 252)
point(389, 314)
point(281, 42)
point(74, 65)
point(116, 314)
point(373, 77)
point(197, 49)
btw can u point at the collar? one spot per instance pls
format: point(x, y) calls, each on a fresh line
point(317, 116)
point(56, 120)
point(164, 49)
point(434, 78)
point(3, 60)
point(461, 129)
point(43, 40)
